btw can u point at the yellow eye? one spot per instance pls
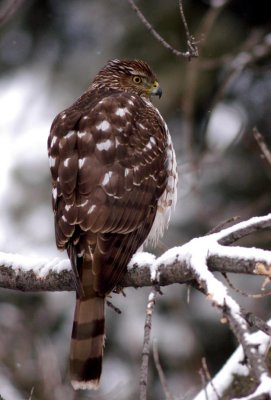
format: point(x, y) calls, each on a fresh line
point(137, 79)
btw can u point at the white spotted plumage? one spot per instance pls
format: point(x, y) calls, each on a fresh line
point(54, 193)
point(81, 162)
point(104, 145)
point(66, 162)
point(111, 191)
point(70, 134)
point(81, 134)
point(54, 140)
point(121, 111)
point(106, 178)
point(52, 161)
point(91, 209)
point(103, 126)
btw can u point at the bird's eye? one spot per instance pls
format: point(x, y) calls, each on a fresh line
point(137, 79)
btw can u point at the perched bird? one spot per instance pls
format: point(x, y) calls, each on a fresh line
point(114, 181)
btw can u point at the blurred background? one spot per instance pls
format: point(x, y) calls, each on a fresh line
point(49, 53)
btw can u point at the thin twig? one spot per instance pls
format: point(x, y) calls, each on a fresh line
point(192, 45)
point(8, 10)
point(223, 224)
point(114, 308)
point(192, 48)
point(203, 383)
point(206, 377)
point(146, 345)
point(245, 294)
point(160, 371)
point(262, 144)
point(31, 393)
point(256, 322)
point(188, 36)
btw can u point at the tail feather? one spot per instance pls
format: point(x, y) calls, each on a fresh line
point(87, 343)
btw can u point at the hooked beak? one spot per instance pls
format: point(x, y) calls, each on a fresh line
point(156, 90)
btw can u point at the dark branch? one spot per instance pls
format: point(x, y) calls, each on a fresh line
point(192, 48)
point(262, 144)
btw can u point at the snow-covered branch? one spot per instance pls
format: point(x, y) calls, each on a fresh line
point(174, 266)
point(194, 261)
point(235, 366)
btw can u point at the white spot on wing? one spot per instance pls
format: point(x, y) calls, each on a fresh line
point(66, 162)
point(106, 178)
point(81, 162)
point(54, 193)
point(70, 134)
point(83, 204)
point(103, 126)
point(151, 143)
point(121, 111)
point(92, 208)
point(53, 141)
point(52, 161)
point(67, 207)
point(104, 145)
point(81, 134)
point(142, 126)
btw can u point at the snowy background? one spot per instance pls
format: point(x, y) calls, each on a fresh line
point(49, 52)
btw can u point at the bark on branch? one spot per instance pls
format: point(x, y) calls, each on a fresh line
point(40, 274)
point(194, 261)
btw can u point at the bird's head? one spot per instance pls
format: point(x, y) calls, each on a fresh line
point(132, 76)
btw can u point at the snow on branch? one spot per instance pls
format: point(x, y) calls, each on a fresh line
point(235, 366)
point(174, 266)
point(195, 261)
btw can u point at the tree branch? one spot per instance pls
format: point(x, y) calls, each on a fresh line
point(8, 9)
point(262, 144)
point(234, 366)
point(40, 274)
point(194, 261)
point(192, 50)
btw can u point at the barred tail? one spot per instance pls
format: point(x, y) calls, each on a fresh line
point(87, 342)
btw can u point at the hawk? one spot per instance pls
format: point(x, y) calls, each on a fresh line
point(114, 181)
